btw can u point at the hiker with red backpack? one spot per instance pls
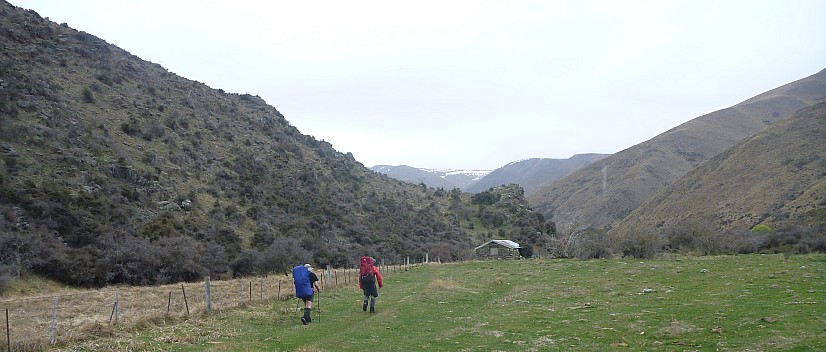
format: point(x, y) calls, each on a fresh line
point(369, 276)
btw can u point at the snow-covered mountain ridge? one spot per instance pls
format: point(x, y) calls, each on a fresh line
point(444, 178)
point(531, 174)
point(453, 172)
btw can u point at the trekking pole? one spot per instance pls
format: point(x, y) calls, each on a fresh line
point(318, 306)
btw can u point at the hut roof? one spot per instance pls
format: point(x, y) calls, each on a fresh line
point(507, 243)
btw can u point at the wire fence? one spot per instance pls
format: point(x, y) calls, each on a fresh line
point(34, 323)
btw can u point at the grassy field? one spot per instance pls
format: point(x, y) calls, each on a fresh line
point(728, 303)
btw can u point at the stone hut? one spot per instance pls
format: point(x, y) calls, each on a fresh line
point(498, 249)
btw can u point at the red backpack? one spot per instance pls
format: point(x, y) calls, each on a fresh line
point(366, 272)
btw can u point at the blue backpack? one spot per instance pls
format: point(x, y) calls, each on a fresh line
point(301, 278)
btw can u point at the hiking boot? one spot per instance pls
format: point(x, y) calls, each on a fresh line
point(304, 321)
point(372, 309)
point(364, 306)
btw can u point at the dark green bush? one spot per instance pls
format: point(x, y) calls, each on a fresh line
point(87, 95)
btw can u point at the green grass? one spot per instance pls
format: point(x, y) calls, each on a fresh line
point(737, 303)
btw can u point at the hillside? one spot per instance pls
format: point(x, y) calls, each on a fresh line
point(115, 170)
point(599, 195)
point(533, 174)
point(445, 179)
point(775, 178)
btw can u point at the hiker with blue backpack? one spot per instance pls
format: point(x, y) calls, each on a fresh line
point(306, 285)
point(369, 276)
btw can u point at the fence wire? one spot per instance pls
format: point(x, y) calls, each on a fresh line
point(75, 314)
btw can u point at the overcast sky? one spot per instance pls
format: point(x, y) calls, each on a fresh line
point(471, 84)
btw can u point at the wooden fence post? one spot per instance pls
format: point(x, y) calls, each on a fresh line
point(323, 280)
point(207, 295)
point(114, 308)
point(117, 304)
point(168, 302)
point(240, 292)
point(8, 332)
point(54, 321)
point(185, 301)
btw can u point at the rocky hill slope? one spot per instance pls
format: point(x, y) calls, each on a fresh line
point(776, 178)
point(598, 196)
point(115, 170)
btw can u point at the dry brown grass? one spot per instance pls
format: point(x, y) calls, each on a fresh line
point(88, 314)
point(445, 285)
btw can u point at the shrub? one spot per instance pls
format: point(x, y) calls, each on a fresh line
point(801, 239)
point(708, 243)
point(593, 246)
point(762, 228)
point(695, 235)
point(487, 198)
point(742, 242)
point(5, 278)
point(129, 128)
point(641, 245)
point(282, 254)
point(88, 97)
point(246, 263)
point(561, 246)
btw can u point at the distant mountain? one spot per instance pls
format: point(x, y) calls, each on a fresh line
point(445, 179)
point(533, 174)
point(776, 178)
point(605, 192)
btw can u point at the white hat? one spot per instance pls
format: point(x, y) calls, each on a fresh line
point(309, 267)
